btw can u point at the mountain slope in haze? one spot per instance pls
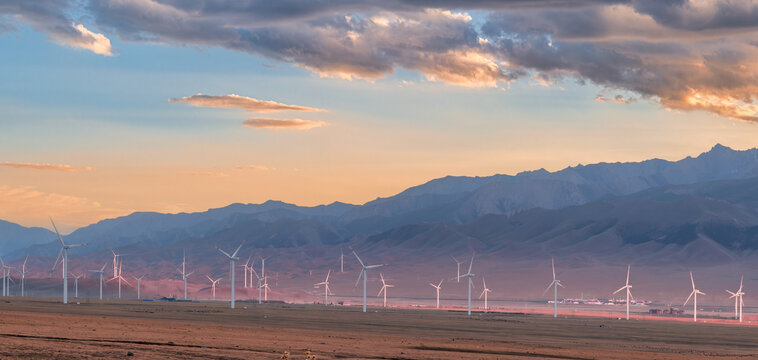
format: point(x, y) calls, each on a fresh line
point(462, 199)
point(158, 229)
point(14, 237)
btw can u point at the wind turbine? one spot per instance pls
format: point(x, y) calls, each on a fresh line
point(115, 263)
point(265, 279)
point(6, 277)
point(555, 284)
point(260, 284)
point(246, 267)
point(694, 292)
point(364, 274)
point(213, 284)
point(76, 285)
point(342, 261)
point(184, 273)
point(384, 289)
point(438, 287)
point(64, 252)
point(470, 277)
point(458, 274)
point(139, 280)
point(23, 275)
point(232, 259)
point(737, 301)
point(119, 278)
point(101, 272)
point(628, 288)
point(326, 287)
point(484, 293)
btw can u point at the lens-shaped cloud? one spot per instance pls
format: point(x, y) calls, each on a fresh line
point(294, 124)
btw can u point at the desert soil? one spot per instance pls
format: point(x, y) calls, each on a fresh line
point(45, 329)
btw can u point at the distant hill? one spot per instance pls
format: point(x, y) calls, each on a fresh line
point(14, 237)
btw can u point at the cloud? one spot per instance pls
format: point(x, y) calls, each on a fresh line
point(31, 206)
point(211, 174)
point(97, 43)
point(52, 18)
point(253, 167)
point(67, 168)
point(618, 99)
point(233, 101)
point(683, 54)
point(296, 124)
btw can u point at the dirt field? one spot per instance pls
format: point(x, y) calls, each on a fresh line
point(45, 329)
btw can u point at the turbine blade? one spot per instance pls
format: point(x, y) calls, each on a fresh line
point(359, 277)
point(472, 262)
point(552, 260)
point(622, 288)
point(688, 298)
point(238, 249)
point(359, 259)
point(441, 282)
point(628, 269)
point(60, 254)
point(224, 252)
point(57, 233)
point(327, 275)
point(483, 291)
point(630, 294)
point(693, 281)
point(548, 288)
point(559, 284)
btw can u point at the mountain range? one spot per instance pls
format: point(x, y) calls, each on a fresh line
point(699, 211)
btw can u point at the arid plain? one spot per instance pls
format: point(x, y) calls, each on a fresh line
point(45, 329)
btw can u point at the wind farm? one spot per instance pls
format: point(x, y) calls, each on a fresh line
point(362, 154)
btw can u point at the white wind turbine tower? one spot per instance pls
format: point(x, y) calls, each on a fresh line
point(326, 287)
point(139, 280)
point(384, 289)
point(76, 285)
point(484, 293)
point(64, 252)
point(458, 274)
point(232, 259)
point(438, 287)
point(738, 303)
point(101, 272)
point(628, 288)
point(364, 274)
point(213, 284)
point(23, 275)
point(555, 284)
point(470, 277)
point(694, 292)
point(184, 273)
point(342, 261)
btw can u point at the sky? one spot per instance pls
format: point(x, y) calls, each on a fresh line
point(115, 106)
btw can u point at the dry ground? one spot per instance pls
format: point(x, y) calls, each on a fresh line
point(45, 329)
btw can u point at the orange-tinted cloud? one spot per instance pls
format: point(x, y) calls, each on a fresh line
point(30, 206)
point(234, 101)
point(66, 168)
point(296, 124)
point(253, 167)
point(211, 174)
